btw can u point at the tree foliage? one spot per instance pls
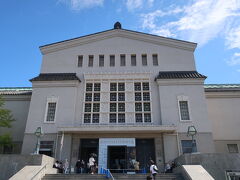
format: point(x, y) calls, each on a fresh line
point(6, 120)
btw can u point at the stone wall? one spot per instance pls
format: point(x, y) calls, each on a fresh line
point(215, 163)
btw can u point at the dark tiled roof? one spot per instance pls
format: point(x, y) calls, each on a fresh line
point(179, 75)
point(56, 77)
point(16, 91)
point(221, 87)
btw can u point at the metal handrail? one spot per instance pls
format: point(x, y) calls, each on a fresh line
point(40, 170)
point(107, 173)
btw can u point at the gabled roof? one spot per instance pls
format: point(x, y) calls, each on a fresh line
point(155, 39)
point(56, 77)
point(179, 75)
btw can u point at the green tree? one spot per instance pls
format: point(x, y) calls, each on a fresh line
point(6, 120)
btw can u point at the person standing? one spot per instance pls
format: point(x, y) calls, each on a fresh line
point(78, 166)
point(153, 169)
point(66, 166)
point(91, 164)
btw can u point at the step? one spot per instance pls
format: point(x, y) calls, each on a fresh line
point(74, 177)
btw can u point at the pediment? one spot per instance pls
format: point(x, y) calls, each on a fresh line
point(154, 39)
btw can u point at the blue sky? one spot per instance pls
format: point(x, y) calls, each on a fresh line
point(26, 25)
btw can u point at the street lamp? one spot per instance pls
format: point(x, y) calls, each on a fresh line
point(192, 132)
point(38, 133)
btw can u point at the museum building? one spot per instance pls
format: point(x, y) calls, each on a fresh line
point(122, 95)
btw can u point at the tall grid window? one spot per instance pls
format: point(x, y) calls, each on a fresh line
point(142, 104)
point(144, 59)
point(155, 59)
point(133, 60)
point(112, 60)
point(122, 60)
point(184, 111)
point(90, 61)
point(80, 60)
point(101, 60)
point(92, 103)
point(51, 111)
point(117, 103)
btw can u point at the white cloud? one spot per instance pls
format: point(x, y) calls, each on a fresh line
point(235, 60)
point(199, 22)
point(233, 38)
point(82, 4)
point(138, 4)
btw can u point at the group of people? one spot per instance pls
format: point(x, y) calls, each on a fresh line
point(90, 167)
point(62, 167)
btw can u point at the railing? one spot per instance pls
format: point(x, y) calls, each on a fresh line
point(129, 171)
point(40, 172)
point(107, 173)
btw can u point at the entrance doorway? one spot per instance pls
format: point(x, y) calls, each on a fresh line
point(117, 156)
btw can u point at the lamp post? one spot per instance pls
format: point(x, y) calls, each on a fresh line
point(192, 132)
point(38, 133)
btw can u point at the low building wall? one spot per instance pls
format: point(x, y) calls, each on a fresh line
point(215, 163)
point(10, 164)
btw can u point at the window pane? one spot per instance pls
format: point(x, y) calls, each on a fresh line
point(87, 107)
point(146, 96)
point(95, 118)
point(138, 106)
point(232, 148)
point(112, 60)
point(184, 110)
point(88, 97)
point(90, 61)
point(121, 97)
point(146, 86)
point(113, 86)
point(138, 117)
point(80, 61)
point(51, 111)
point(87, 118)
point(101, 60)
point(113, 96)
point(97, 86)
point(122, 60)
point(133, 60)
point(147, 107)
point(144, 59)
point(113, 118)
point(137, 86)
point(89, 86)
point(96, 97)
point(138, 96)
point(113, 107)
point(121, 87)
point(147, 117)
point(96, 107)
point(155, 59)
point(121, 107)
point(121, 118)
point(188, 146)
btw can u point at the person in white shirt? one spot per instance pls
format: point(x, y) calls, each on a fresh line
point(91, 164)
point(153, 169)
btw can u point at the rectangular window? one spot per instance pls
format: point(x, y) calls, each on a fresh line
point(88, 107)
point(146, 96)
point(138, 107)
point(137, 86)
point(87, 118)
point(188, 146)
point(145, 86)
point(80, 61)
point(121, 107)
point(121, 97)
point(138, 96)
point(90, 61)
point(121, 118)
point(95, 118)
point(96, 107)
point(133, 60)
point(113, 86)
point(113, 118)
point(232, 148)
point(113, 96)
point(138, 117)
point(122, 60)
point(113, 107)
point(144, 59)
point(97, 86)
point(155, 59)
point(183, 105)
point(147, 117)
point(89, 86)
point(51, 111)
point(46, 147)
point(121, 87)
point(112, 60)
point(88, 97)
point(96, 97)
point(101, 60)
point(146, 107)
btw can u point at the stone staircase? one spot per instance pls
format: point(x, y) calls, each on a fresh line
point(169, 176)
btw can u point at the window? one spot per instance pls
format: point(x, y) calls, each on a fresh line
point(113, 107)
point(146, 86)
point(121, 107)
point(146, 96)
point(112, 60)
point(88, 97)
point(146, 106)
point(121, 118)
point(138, 117)
point(113, 118)
point(87, 118)
point(188, 146)
point(183, 105)
point(46, 147)
point(80, 61)
point(96, 97)
point(137, 86)
point(101, 60)
point(147, 117)
point(138, 96)
point(144, 59)
point(97, 86)
point(113, 96)
point(121, 97)
point(96, 107)
point(122, 60)
point(95, 118)
point(138, 106)
point(113, 86)
point(88, 107)
point(51, 110)
point(155, 59)
point(90, 61)
point(121, 87)
point(89, 86)
point(232, 148)
point(133, 60)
